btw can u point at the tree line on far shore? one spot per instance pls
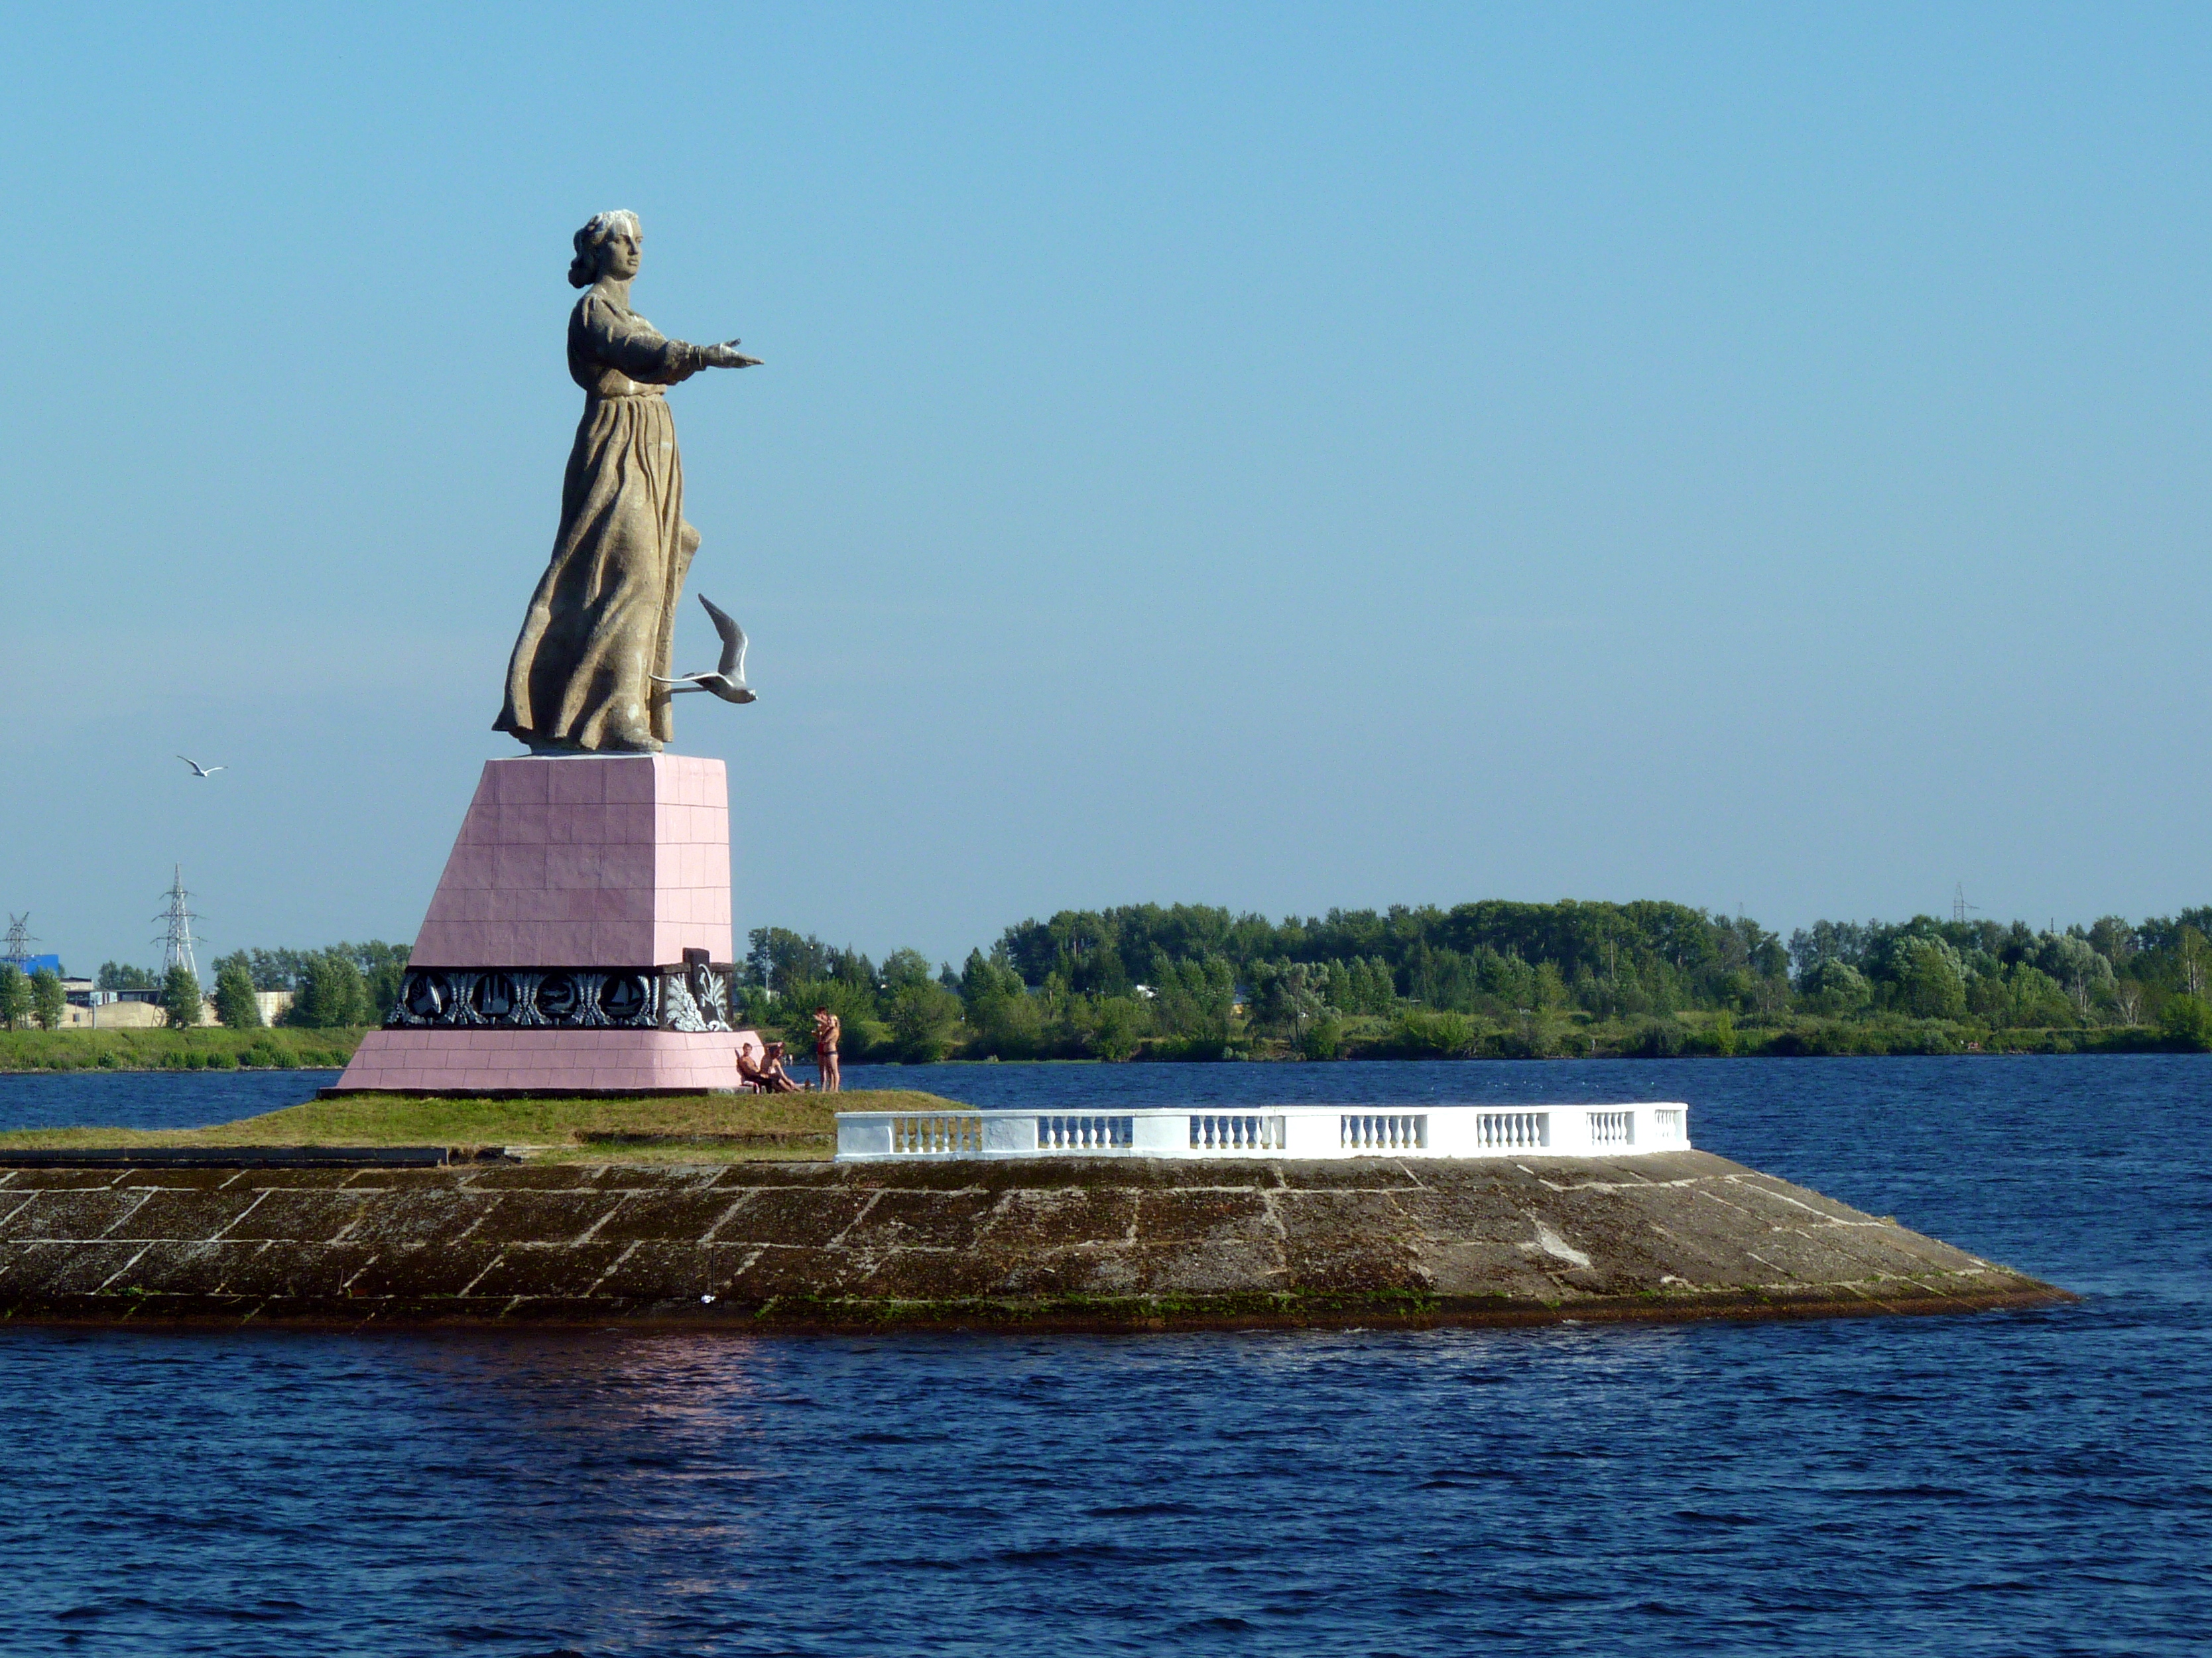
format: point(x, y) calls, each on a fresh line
point(341, 986)
point(1492, 979)
point(1495, 979)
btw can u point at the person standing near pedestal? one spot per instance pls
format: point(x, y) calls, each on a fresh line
point(603, 620)
point(826, 1029)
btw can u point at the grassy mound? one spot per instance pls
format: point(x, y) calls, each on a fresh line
point(689, 1128)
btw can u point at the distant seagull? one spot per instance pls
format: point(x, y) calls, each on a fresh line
point(199, 770)
point(728, 681)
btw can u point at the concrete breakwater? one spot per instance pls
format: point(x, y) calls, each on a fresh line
point(1089, 1244)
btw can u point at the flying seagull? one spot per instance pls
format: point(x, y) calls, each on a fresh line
point(199, 770)
point(727, 681)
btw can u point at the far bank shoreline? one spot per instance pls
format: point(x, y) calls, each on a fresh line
point(283, 1049)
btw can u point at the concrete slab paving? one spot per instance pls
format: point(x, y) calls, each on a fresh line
point(1077, 1244)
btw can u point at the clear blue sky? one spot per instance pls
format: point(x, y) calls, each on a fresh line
point(1276, 456)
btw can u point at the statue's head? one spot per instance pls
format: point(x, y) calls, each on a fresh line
point(608, 246)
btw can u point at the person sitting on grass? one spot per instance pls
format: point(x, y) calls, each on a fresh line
point(769, 1075)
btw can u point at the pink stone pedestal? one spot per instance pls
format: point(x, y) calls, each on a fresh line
point(549, 1063)
point(605, 861)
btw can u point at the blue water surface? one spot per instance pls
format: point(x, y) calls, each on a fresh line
point(150, 1099)
point(2035, 1482)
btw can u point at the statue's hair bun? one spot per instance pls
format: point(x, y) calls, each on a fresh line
point(584, 268)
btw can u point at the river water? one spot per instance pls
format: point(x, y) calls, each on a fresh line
point(2008, 1482)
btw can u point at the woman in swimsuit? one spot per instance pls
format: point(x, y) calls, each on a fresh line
point(826, 1032)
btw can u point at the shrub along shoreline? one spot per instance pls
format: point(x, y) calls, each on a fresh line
point(206, 1047)
point(1412, 1035)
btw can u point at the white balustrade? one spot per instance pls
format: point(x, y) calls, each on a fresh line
point(945, 1135)
point(1291, 1131)
point(1220, 1134)
point(1364, 1133)
point(1611, 1128)
point(1513, 1130)
point(1084, 1133)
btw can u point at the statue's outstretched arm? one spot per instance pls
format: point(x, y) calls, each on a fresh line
point(645, 355)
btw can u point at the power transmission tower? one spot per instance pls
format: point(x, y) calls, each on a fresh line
point(20, 940)
point(177, 946)
point(1959, 904)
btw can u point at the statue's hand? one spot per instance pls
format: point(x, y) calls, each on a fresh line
point(726, 355)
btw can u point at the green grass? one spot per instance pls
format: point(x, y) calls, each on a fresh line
point(689, 1128)
point(211, 1048)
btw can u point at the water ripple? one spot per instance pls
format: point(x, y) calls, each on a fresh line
point(1990, 1484)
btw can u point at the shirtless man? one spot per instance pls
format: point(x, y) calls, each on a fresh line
point(826, 1029)
point(769, 1075)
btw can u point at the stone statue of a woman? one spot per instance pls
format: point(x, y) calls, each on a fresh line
point(603, 620)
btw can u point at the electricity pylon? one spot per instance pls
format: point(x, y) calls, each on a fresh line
point(177, 946)
point(20, 940)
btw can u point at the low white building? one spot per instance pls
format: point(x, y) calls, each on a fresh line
point(90, 1009)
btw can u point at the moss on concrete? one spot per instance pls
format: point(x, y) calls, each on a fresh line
point(1122, 1244)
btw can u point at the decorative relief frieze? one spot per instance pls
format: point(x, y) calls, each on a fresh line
point(693, 998)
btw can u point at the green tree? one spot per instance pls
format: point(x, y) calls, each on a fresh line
point(180, 997)
point(1831, 986)
point(1003, 1018)
point(2034, 999)
point(2188, 1020)
point(1194, 1000)
point(49, 1001)
point(277, 970)
point(1931, 982)
point(924, 1019)
point(115, 976)
point(1374, 990)
point(235, 1003)
point(2075, 964)
point(1007, 1026)
point(1549, 990)
point(903, 967)
point(14, 995)
point(1117, 1027)
point(1340, 994)
point(983, 978)
point(1323, 1039)
point(383, 969)
point(328, 993)
point(2191, 952)
point(1288, 995)
point(2112, 937)
point(777, 959)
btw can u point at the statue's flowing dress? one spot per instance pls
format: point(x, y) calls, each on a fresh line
point(602, 622)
